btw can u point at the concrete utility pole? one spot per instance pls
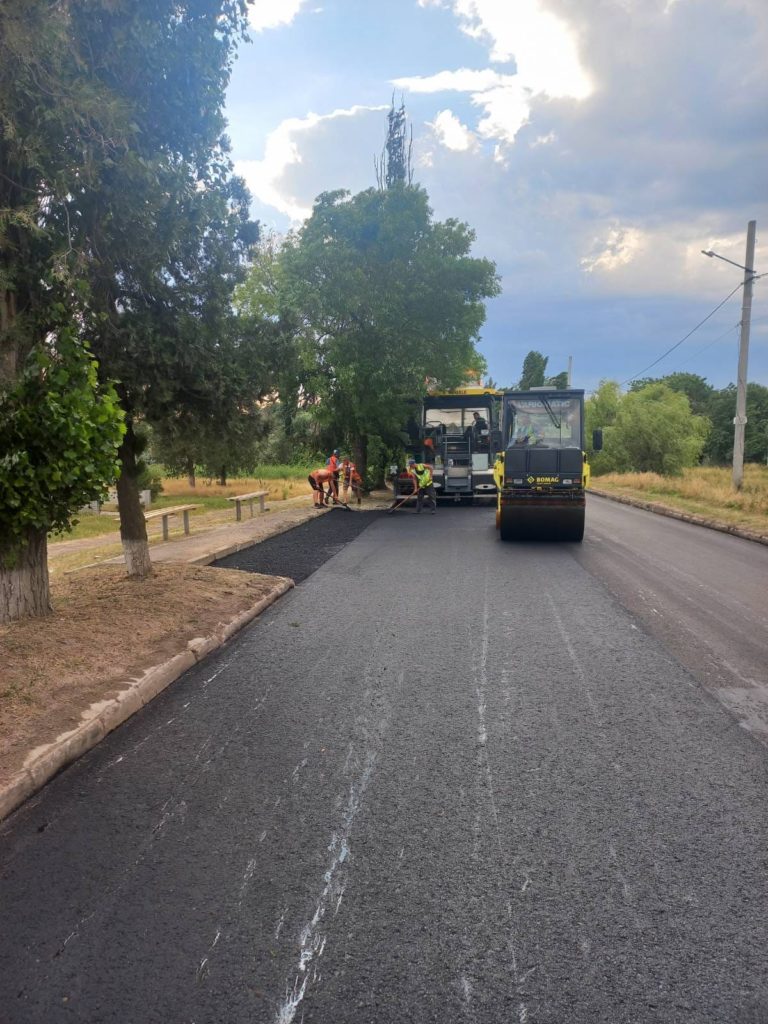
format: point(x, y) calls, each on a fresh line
point(740, 419)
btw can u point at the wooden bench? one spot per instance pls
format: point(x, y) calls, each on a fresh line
point(250, 498)
point(166, 513)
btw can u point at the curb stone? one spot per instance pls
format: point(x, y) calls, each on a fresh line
point(686, 517)
point(103, 718)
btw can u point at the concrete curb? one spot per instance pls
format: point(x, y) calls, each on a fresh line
point(103, 718)
point(686, 517)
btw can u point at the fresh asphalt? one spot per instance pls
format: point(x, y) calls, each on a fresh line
point(444, 779)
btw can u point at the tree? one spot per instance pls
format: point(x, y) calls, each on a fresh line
point(722, 408)
point(534, 368)
point(394, 167)
point(600, 412)
point(691, 384)
point(654, 431)
point(58, 427)
point(165, 235)
point(560, 380)
point(388, 299)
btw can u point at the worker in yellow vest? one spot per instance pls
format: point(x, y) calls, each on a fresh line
point(423, 474)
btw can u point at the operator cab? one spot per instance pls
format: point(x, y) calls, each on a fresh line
point(546, 421)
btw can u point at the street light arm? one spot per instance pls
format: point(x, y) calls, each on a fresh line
point(708, 252)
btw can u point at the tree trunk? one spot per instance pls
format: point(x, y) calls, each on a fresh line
point(191, 473)
point(223, 476)
point(24, 589)
point(360, 449)
point(133, 528)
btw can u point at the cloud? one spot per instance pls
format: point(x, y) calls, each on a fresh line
point(304, 155)
point(264, 14)
point(617, 249)
point(543, 46)
point(463, 80)
point(452, 133)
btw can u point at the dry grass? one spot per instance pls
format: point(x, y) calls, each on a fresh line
point(705, 491)
point(55, 667)
point(280, 488)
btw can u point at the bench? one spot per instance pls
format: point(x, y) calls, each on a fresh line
point(166, 513)
point(250, 498)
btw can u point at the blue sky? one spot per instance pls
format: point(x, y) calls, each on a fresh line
point(595, 146)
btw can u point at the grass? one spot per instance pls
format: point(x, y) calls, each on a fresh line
point(282, 483)
point(705, 490)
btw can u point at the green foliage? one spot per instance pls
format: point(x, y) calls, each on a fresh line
point(699, 393)
point(387, 299)
point(653, 431)
point(722, 409)
point(534, 369)
point(600, 411)
point(59, 433)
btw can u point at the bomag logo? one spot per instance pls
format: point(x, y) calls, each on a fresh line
point(543, 479)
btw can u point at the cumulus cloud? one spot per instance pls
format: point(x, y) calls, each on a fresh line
point(543, 47)
point(303, 155)
point(264, 14)
point(617, 249)
point(452, 133)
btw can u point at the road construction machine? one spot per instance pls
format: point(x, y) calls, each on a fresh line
point(541, 469)
point(457, 434)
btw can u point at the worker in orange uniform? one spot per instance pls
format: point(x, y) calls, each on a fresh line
point(333, 464)
point(350, 480)
point(317, 481)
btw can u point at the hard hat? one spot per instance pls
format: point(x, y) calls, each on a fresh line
point(411, 462)
point(335, 451)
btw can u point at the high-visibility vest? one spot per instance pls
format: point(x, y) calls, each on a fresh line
point(423, 475)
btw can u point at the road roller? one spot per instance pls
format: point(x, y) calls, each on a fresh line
point(541, 471)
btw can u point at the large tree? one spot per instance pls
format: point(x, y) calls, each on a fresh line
point(389, 299)
point(166, 233)
point(58, 427)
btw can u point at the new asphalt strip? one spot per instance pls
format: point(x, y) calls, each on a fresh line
point(300, 552)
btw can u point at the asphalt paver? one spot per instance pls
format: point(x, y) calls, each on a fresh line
point(443, 780)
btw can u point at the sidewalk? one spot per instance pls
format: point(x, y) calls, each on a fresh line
point(113, 644)
point(213, 535)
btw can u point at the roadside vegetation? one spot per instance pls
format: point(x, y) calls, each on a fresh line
point(703, 490)
point(145, 318)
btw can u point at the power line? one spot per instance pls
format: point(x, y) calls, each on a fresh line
point(705, 348)
point(687, 336)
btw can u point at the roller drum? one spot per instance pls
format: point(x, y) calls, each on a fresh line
point(542, 522)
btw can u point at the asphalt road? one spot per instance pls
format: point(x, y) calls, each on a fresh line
point(444, 779)
point(704, 594)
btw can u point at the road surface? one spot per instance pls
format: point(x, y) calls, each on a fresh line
point(445, 779)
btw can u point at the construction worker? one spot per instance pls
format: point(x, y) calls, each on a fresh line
point(423, 474)
point(317, 481)
point(333, 464)
point(405, 485)
point(350, 480)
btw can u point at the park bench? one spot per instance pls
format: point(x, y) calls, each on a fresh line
point(166, 513)
point(250, 498)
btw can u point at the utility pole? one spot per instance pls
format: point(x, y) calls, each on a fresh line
point(740, 419)
point(570, 369)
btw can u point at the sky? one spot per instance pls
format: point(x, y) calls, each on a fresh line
point(594, 146)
